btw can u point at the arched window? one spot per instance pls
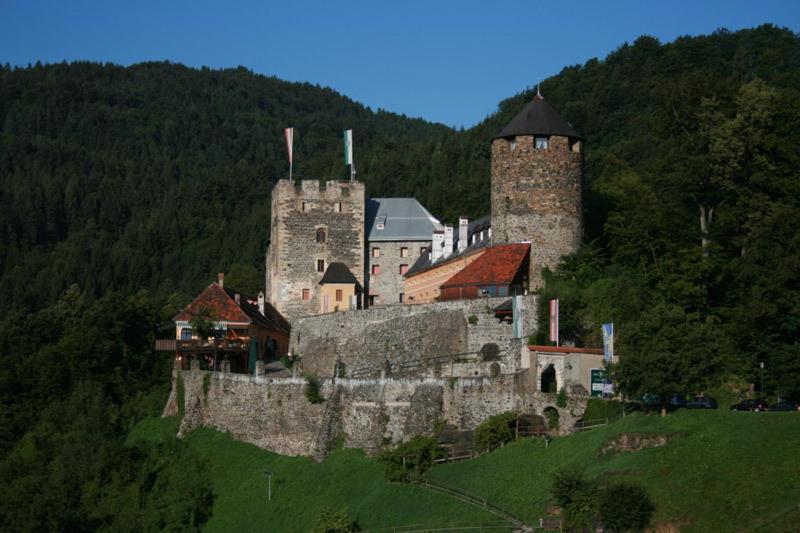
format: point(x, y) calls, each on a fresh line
point(321, 235)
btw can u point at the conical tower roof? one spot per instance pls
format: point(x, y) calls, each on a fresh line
point(538, 117)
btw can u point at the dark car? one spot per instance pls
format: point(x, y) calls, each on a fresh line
point(702, 402)
point(785, 405)
point(677, 401)
point(750, 405)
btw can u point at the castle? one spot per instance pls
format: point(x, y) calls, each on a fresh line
point(375, 246)
point(403, 321)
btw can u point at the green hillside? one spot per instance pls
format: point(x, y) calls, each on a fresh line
point(303, 489)
point(719, 471)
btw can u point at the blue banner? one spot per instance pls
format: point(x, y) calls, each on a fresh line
point(608, 342)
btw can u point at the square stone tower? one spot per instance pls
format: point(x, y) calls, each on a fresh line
point(313, 224)
point(536, 186)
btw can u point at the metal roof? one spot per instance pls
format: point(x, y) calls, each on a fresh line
point(538, 117)
point(402, 219)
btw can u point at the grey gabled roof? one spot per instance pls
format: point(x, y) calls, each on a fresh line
point(538, 117)
point(403, 219)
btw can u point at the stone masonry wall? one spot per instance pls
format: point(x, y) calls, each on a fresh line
point(536, 197)
point(402, 333)
point(298, 210)
point(371, 414)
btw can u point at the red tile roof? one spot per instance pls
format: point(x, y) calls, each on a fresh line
point(221, 306)
point(497, 266)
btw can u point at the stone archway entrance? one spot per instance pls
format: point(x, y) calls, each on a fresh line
point(548, 381)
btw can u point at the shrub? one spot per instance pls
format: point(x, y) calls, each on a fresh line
point(496, 430)
point(472, 319)
point(312, 390)
point(330, 521)
point(561, 397)
point(577, 496)
point(285, 361)
point(411, 459)
point(625, 507)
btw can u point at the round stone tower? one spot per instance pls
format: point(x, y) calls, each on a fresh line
point(536, 186)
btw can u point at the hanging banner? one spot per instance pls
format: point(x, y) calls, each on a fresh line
point(608, 342)
point(554, 321)
point(518, 314)
point(288, 133)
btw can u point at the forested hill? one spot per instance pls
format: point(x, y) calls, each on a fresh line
point(157, 175)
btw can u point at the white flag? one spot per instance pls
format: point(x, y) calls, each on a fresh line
point(348, 147)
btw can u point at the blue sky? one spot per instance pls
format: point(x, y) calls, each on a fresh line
point(446, 61)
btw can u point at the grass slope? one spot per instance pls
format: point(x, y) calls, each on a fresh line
point(303, 488)
point(721, 470)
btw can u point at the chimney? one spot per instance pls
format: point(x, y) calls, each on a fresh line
point(463, 238)
point(221, 280)
point(437, 245)
point(261, 305)
point(448, 241)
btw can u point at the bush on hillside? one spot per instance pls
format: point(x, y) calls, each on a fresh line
point(330, 521)
point(496, 431)
point(625, 507)
point(411, 459)
point(577, 496)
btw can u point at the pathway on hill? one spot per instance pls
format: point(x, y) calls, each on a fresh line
point(473, 500)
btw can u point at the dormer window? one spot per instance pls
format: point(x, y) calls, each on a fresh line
point(541, 142)
point(380, 222)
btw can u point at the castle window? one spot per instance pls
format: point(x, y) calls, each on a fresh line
point(423, 250)
point(376, 252)
point(339, 295)
point(403, 269)
point(320, 265)
point(541, 143)
point(306, 294)
point(403, 252)
point(302, 206)
point(321, 235)
point(512, 142)
point(574, 145)
point(373, 299)
point(186, 334)
point(337, 207)
point(402, 297)
point(376, 269)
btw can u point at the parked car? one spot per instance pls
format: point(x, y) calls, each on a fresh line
point(677, 401)
point(750, 405)
point(785, 405)
point(702, 402)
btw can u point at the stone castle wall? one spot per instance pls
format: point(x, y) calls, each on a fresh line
point(404, 333)
point(298, 210)
point(371, 414)
point(536, 197)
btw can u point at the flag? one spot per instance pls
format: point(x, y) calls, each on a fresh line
point(608, 342)
point(348, 147)
point(554, 321)
point(289, 134)
point(518, 316)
